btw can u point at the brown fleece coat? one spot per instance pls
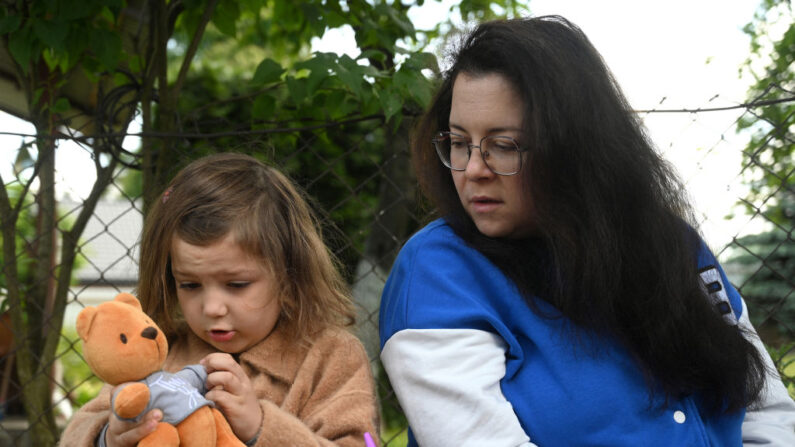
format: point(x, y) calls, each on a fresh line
point(322, 395)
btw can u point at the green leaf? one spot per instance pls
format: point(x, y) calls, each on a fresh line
point(20, 45)
point(422, 61)
point(404, 79)
point(395, 122)
point(50, 58)
point(107, 48)
point(107, 14)
point(311, 14)
point(413, 84)
point(335, 20)
point(51, 33)
point(37, 96)
point(370, 103)
point(268, 71)
point(263, 108)
point(372, 55)
point(350, 73)
point(61, 106)
point(397, 17)
point(9, 24)
point(225, 17)
point(319, 69)
point(287, 15)
point(135, 63)
point(391, 102)
point(73, 11)
point(423, 93)
point(297, 89)
point(77, 41)
point(65, 63)
point(23, 160)
point(338, 104)
point(120, 79)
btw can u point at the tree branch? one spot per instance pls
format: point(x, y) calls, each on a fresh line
point(69, 253)
point(193, 47)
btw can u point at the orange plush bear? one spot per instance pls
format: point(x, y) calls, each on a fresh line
point(122, 344)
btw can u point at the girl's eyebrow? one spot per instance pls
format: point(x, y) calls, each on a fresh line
point(226, 272)
point(175, 272)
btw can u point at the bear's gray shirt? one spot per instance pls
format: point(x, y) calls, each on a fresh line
point(177, 395)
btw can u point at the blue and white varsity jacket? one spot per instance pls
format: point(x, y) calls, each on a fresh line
point(473, 365)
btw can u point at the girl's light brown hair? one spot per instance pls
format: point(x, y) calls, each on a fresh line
point(270, 219)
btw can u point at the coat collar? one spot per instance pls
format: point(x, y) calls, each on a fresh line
point(276, 355)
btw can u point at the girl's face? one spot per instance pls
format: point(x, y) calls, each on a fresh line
point(228, 297)
point(482, 106)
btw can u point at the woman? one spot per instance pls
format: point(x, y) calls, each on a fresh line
point(565, 297)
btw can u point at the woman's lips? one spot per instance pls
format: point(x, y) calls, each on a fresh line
point(221, 336)
point(482, 204)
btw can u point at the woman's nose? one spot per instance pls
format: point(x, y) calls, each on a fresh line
point(476, 165)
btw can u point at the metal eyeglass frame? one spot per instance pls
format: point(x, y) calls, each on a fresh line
point(446, 134)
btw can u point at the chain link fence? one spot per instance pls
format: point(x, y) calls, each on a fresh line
point(357, 176)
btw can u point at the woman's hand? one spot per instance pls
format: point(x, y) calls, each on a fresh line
point(231, 391)
point(127, 434)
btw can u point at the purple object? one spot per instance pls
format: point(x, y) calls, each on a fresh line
point(368, 440)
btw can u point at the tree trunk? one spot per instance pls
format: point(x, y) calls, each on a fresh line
point(33, 365)
point(160, 157)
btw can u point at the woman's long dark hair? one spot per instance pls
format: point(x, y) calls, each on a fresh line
point(617, 246)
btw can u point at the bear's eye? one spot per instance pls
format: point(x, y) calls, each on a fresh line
point(123, 338)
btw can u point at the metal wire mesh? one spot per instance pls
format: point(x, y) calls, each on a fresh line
point(357, 176)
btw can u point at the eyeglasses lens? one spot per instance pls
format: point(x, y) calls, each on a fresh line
point(500, 153)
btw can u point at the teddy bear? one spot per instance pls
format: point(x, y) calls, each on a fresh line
point(122, 344)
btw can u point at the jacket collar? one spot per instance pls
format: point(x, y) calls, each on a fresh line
point(276, 355)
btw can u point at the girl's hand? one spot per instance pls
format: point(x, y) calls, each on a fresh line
point(231, 390)
point(127, 434)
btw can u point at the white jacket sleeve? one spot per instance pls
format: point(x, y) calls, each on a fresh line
point(448, 384)
point(771, 421)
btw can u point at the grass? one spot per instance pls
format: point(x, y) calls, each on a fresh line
point(398, 437)
point(784, 359)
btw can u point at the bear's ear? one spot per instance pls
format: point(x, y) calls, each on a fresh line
point(84, 319)
point(127, 298)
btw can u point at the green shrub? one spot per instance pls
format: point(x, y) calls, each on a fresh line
point(80, 383)
point(784, 359)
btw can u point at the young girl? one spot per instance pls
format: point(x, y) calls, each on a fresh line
point(234, 271)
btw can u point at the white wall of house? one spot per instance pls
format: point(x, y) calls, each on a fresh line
point(109, 247)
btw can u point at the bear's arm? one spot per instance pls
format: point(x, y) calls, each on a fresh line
point(131, 400)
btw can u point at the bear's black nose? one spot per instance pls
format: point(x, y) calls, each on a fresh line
point(149, 333)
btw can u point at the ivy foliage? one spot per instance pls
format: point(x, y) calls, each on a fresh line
point(48, 40)
point(256, 71)
point(270, 41)
point(768, 258)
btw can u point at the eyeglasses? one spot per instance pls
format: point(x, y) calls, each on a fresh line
point(501, 154)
